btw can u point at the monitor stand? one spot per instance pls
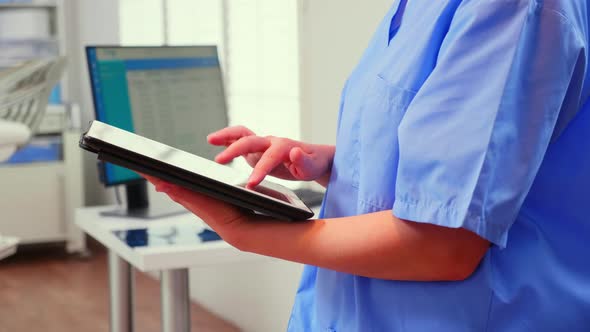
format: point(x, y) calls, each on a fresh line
point(138, 205)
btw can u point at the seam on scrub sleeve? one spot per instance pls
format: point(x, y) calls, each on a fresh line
point(475, 216)
point(487, 226)
point(485, 165)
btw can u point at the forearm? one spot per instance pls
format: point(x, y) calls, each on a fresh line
point(375, 245)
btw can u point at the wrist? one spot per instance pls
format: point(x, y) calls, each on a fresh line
point(324, 179)
point(328, 151)
point(237, 234)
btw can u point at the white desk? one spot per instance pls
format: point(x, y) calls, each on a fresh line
point(7, 246)
point(172, 247)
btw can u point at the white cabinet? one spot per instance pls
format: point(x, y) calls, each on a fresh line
point(38, 199)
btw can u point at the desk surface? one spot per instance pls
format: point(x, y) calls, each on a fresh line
point(161, 244)
point(7, 246)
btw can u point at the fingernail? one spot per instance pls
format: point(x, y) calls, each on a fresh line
point(251, 184)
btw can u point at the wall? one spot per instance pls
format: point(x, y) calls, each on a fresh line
point(262, 86)
point(89, 23)
point(333, 36)
point(256, 296)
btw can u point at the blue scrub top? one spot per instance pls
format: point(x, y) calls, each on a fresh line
point(468, 114)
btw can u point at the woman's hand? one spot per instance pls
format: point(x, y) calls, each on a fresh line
point(280, 157)
point(227, 220)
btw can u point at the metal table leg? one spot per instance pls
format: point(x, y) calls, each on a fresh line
point(121, 294)
point(175, 301)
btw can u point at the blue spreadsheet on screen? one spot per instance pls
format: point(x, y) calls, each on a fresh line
point(173, 95)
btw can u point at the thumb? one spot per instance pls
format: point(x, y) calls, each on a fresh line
point(302, 164)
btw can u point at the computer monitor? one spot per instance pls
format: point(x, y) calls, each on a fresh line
point(171, 94)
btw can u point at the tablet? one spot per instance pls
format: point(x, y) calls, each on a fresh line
point(147, 156)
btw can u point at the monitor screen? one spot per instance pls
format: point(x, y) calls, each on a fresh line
point(173, 95)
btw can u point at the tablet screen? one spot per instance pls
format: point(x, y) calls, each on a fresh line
point(268, 192)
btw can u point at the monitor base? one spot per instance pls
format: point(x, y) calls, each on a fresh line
point(138, 205)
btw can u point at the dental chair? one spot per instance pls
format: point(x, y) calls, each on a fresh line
point(12, 135)
point(24, 92)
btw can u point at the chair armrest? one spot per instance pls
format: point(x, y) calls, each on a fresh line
point(12, 135)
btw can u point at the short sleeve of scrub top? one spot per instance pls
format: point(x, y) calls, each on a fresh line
point(475, 134)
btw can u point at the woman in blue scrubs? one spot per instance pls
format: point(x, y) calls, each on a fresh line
point(458, 190)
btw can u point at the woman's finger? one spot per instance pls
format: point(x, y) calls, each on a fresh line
point(228, 135)
point(302, 164)
point(212, 211)
point(187, 198)
point(150, 178)
point(159, 184)
point(253, 158)
point(243, 146)
point(276, 154)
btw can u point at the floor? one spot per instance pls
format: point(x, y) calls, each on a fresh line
point(43, 289)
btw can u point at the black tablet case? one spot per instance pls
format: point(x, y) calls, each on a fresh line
point(196, 182)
